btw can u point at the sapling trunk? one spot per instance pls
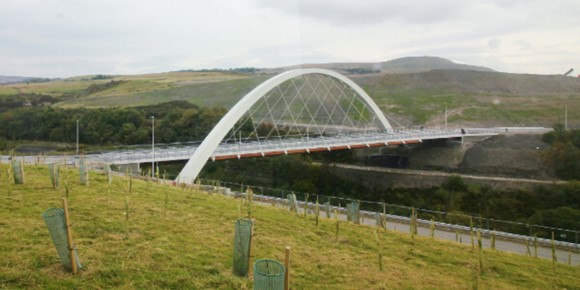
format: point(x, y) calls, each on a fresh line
point(337, 222)
point(65, 180)
point(250, 197)
point(127, 209)
point(130, 182)
point(476, 278)
point(535, 246)
point(554, 258)
point(480, 246)
point(493, 240)
point(306, 205)
point(412, 220)
point(528, 247)
point(379, 249)
point(385, 216)
point(415, 223)
point(432, 229)
point(317, 210)
point(157, 173)
point(166, 200)
point(471, 232)
point(148, 178)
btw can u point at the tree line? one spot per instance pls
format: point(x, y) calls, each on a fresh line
point(564, 154)
point(174, 122)
point(555, 206)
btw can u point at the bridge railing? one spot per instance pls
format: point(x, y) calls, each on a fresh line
point(176, 151)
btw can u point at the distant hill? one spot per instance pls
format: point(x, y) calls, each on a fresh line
point(411, 64)
point(425, 63)
point(16, 79)
point(475, 82)
point(410, 90)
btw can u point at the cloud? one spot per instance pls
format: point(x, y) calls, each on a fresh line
point(493, 43)
point(66, 37)
point(346, 12)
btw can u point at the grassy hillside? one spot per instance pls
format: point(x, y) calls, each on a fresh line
point(473, 98)
point(188, 244)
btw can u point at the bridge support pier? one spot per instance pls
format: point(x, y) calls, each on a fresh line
point(133, 168)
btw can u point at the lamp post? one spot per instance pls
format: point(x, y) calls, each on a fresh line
point(445, 117)
point(77, 137)
point(153, 146)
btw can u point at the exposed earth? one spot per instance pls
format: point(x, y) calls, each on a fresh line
point(503, 155)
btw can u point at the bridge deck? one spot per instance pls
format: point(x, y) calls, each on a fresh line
point(143, 154)
point(295, 146)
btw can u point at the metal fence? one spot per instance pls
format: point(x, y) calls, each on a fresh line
point(394, 210)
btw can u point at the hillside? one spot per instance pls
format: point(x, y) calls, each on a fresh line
point(412, 91)
point(401, 65)
point(477, 83)
point(475, 98)
point(179, 238)
point(17, 79)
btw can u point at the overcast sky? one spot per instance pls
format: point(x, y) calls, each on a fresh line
point(62, 38)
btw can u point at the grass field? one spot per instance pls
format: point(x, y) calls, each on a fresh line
point(188, 244)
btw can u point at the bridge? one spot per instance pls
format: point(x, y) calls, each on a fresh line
point(298, 111)
point(263, 148)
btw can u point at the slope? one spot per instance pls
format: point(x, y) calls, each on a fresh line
point(182, 238)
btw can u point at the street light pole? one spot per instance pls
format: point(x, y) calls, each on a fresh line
point(566, 118)
point(445, 117)
point(153, 147)
point(77, 136)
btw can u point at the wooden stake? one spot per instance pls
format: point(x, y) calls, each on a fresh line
point(250, 252)
point(287, 265)
point(69, 236)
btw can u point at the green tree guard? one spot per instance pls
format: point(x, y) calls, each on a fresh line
point(352, 212)
point(18, 169)
point(53, 170)
point(292, 202)
point(83, 173)
point(327, 209)
point(242, 236)
point(55, 222)
point(268, 275)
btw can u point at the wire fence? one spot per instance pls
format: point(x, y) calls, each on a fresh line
point(488, 224)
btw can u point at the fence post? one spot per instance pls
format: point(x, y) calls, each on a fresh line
point(69, 236)
point(287, 265)
point(250, 252)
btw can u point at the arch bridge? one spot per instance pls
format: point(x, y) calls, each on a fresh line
point(299, 111)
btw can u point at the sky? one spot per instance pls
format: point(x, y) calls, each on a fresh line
point(64, 38)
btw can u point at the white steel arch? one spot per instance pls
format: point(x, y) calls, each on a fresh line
point(217, 134)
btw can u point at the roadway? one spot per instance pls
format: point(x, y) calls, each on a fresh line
point(261, 148)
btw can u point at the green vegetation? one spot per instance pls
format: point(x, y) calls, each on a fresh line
point(484, 98)
point(564, 154)
point(176, 121)
point(555, 206)
point(192, 245)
